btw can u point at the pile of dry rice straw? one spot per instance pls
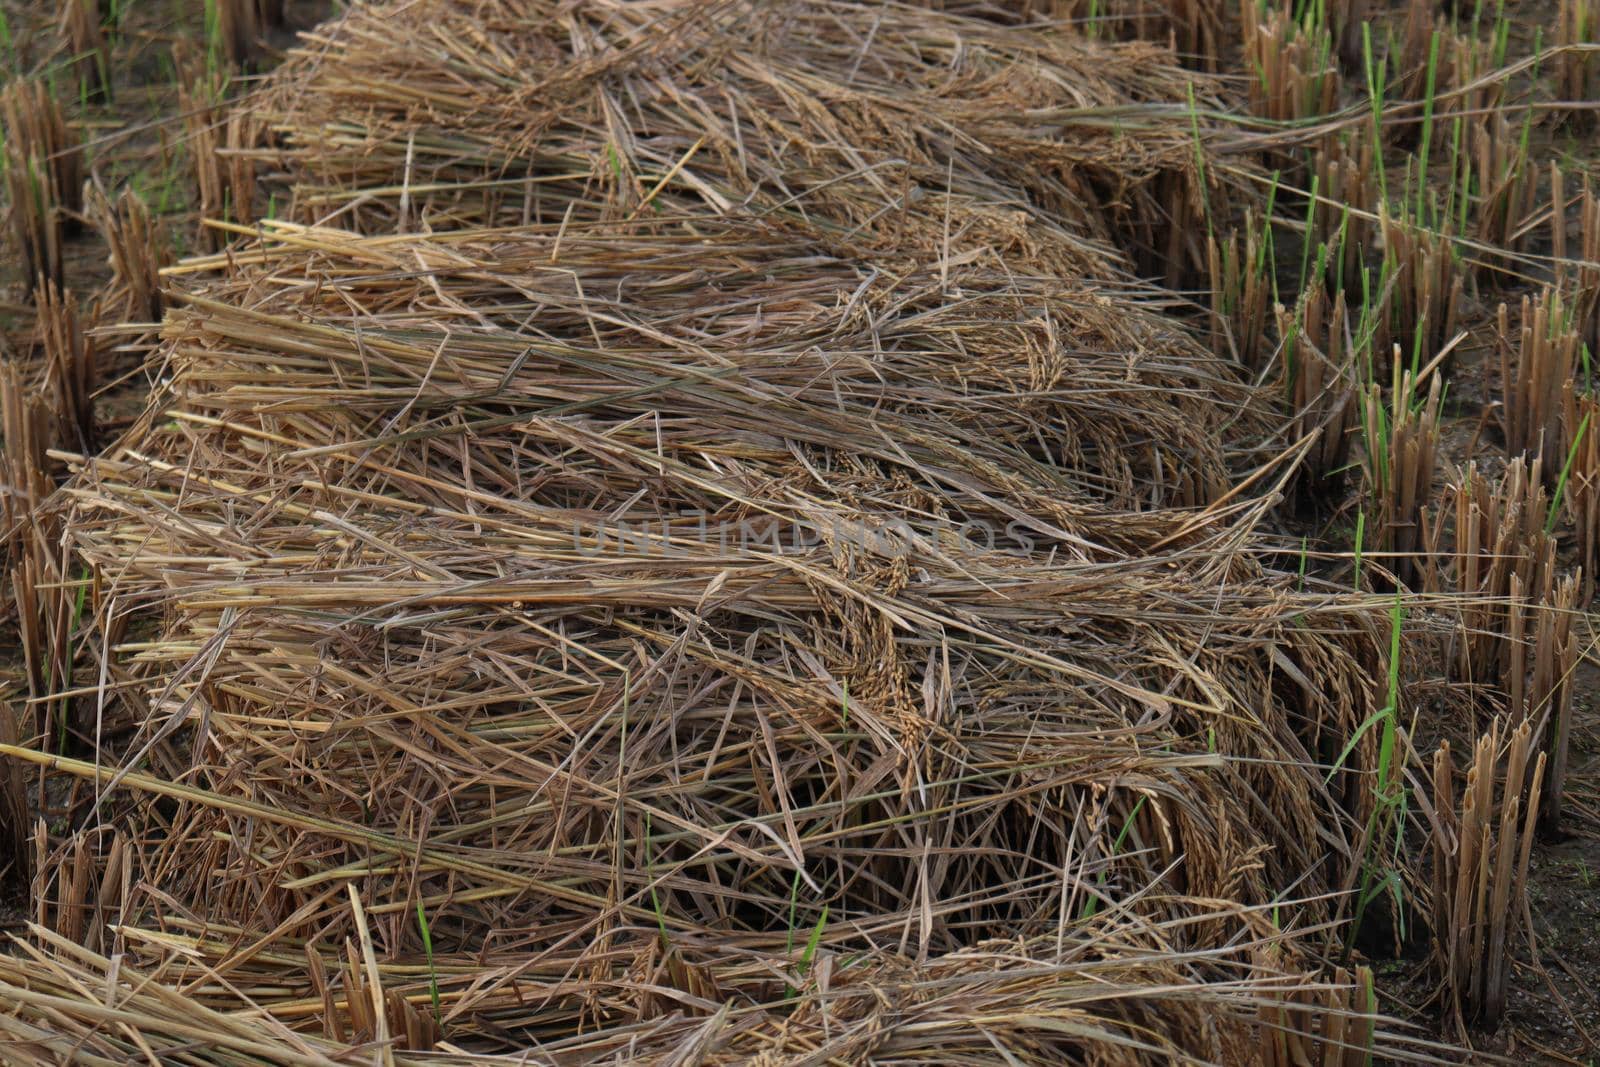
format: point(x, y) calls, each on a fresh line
point(689, 544)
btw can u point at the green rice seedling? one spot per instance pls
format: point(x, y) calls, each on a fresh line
point(427, 949)
point(813, 940)
point(1379, 872)
point(1425, 139)
point(1091, 906)
point(1377, 98)
point(1308, 231)
point(656, 906)
point(1500, 32)
point(1452, 217)
point(1359, 545)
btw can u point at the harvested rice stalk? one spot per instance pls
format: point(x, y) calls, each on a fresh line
point(91, 56)
point(25, 423)
point(1514, 608)
point(1500, 554)
point(1579, 272)
point(1336, 1028)
point(1468, 85)
point(1401, 439)
point(138, 249)
point(1416, 62)
point(1241, 292)
point(37, 130)
point(30, 554)
point(81, 890)
point(35, 218)
point(1345, 218)
point(1451, 77)
point(1537, 365)
point(1508, 184)
point(44, 605)
point(1346, 17)
point(1480, 849)
point(219, 139)
point(236, 29)
point(1292, 59)
point(15, 852)
point(70, 368)
point(1577, 64)
point(43, 173)
point(1550, 684)
point(1098, 426)
point(1194, 28)
point(270, 13)
point(34, 554)
point(1580, 499)
point(1419, 292)
point(1320, 383)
